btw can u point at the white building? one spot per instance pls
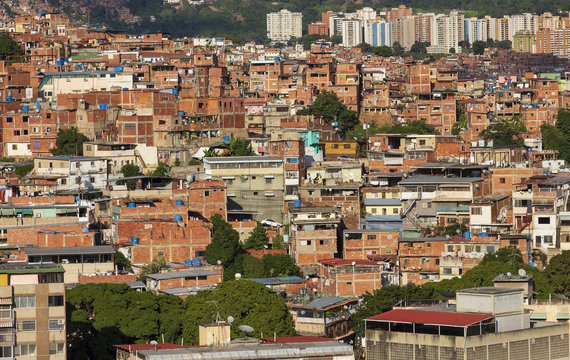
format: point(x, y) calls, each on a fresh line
point(378, 33)
point(283, 25)
point(73, 82)
point(351, 33)
point(366, 14)
point(448, 31)
point(72, 172)
point(475, 30)
point(521, 22)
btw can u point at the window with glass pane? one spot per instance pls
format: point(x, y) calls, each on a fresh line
point(5, 351)
point(57, 324)
point(26, 325)
point(55, 300)
point(56, 348)
point(24, 301)
point(25, 349)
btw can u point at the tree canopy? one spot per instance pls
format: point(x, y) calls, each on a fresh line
point(558, 273)
point(102, 315)
point(238, 147)
point(257, 239)
point(505, 132)
point(557, 137)
point(225, 242)
point(419, 127)
point(9, 49)
point(69, 142)
point(328, 106)
point(248, 302)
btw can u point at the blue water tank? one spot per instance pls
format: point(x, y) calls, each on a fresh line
point(131, 205)
point(9, 98)
point(134, 241)
point(66, 59)
point(77, 198)
point(197, 262)
point(546, 173)
point(25, 108)
point(102, 106)
point(188, 262)
point(483, 234)
point(177, 217)
point(180, 112)
point(179, 203)
point(175, 91)
point(38, 106)
point(467, 235)
point(125, 88)
point(118, 69)
point(60, 63)
point(491, 89)
point(277, 58)
point(335, 124)
point(84, 229)
point(193, 178)
point(226, 138)
point(297, 203)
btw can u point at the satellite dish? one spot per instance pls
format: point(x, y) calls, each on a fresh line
point(509, 274)
point(522, 272)
point(246, 328)
point(154, 342)
point(238, 276)
point(230, 320)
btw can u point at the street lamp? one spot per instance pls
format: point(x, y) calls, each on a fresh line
point(220, 263)
point(353, 286)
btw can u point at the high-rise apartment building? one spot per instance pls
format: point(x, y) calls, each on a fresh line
point(351, 32)
point(378, 33)
point(475, 30)
point(32, 311)
point(403, 31)
point(448, 32)
point(521, 22)
point(423, 24)
point(398, 12)
point(283, 25)
point(553, 41)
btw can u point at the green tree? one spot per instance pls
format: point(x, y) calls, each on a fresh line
point(452, 51)
point(280, 265)
point(9, 49)
point(277, 242)
point(384, 51)
point(121, 261)
point(366, 48)
point(505, 132)
point(129, 170)
point(238, 147)
point(457, 229)
point(102, 315)
point(153, 267)
point(419, 127)
point(479, 47)
point(257, 239)
point(558, 273)
point(419, 47)
point(225, 242)
point(69, 142)
point(248, 302)
point(161, 170)
point(397, 49)
point(23, 170)
point(328, 106)
point(252, 267)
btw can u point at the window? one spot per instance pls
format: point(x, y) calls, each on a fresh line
point(26, 325)
point(129, 126)
point(447, 271)
point(490, 249)
point(9, 120)
point(25, 118)
point(14, 147)
point(268, 180)
point(55, 300)
point(449, 248)
point(544, 220)
point(422, 142)
point(395, 211)
point(24, 301)
point(371, 237)
point(548, 239)
point(334, 146)
point(206, 193)
point(347, 146)
point(476, 210)
point(436, 261)
point(25, 349)
point(502, 180)
point(305, 242)
point(323, 242)
point(255, 193)
point(56, 324)
point(56, 348)
point(6, 351)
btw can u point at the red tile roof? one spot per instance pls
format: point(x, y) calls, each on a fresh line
point(431, 317)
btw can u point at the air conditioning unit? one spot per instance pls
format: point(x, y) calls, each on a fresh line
point(61, 321)
point(38, 215)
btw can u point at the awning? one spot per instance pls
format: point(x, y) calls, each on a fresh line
point(25, 211)
point(538, 316)
point(562, 316)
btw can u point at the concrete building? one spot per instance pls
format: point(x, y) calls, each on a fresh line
point(486, 323)
point(32, 311)
point(523, 41)
point(351, 32)
point(72, 82)
point(475, 30)
point(283, 25)
point(255, 185)
point(71, 172)
point(378, 33)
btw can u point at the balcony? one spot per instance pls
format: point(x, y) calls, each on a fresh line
point(444, 194)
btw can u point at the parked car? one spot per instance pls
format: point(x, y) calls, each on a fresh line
point(270, 222)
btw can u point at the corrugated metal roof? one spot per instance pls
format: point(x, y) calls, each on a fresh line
point(181, 274)
point(431, 317)
point(324, 302)
point(71, 250)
